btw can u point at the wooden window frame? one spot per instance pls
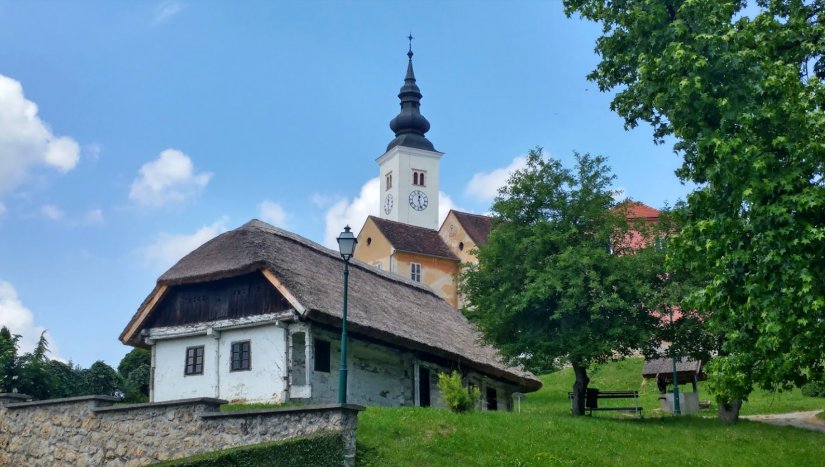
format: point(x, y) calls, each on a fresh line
point(418, 177)
point(388, 179)
point(415, 272)
point(236, 356)
point(327, 355)
point(191, 367)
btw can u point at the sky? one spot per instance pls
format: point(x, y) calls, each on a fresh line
point(132, 132)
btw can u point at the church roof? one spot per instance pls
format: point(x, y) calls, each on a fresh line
point(409, 125)
point(382, 305)
point(477, 226)
point(413, 239)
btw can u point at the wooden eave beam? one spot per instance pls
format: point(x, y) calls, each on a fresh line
point(279, 286)
point(143, 313)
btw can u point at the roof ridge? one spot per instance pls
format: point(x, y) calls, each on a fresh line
point(259, 224)
point(471, 214)
point(402, 223)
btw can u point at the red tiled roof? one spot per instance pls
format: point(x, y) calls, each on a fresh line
point(413, 239)
point(637, 210)
point(477, 226)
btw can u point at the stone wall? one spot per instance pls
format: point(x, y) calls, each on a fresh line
point(91, 430)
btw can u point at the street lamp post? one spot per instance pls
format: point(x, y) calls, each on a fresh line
point(677, 409)
point(346, 246)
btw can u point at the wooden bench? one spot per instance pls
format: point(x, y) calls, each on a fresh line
point(592, 396)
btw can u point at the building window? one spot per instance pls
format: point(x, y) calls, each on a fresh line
point(418, 177)
point(415, 272)
point(378, 266)
point(241, 356)
point(388, 178)
point(194, 361)
point(322, 352)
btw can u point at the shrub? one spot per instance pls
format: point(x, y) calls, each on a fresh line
point(814, 389)
point(457, 396)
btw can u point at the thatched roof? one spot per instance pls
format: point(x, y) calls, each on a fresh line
point(381, 305)
point(664, 366)
point(477, 226)
point(413, 239)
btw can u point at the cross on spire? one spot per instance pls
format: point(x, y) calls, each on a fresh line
point(410, 52)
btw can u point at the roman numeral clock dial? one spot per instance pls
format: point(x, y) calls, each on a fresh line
point(388, 204)
point(418, 200)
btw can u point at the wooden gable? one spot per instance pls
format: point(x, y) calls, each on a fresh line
point(232, 298)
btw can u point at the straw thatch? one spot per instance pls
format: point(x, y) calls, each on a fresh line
point(381, 305)
point(664, 366)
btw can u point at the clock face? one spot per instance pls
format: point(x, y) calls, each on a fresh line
point(388, 204)
point(418, 200)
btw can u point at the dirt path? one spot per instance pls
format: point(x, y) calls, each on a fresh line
point(806, 420)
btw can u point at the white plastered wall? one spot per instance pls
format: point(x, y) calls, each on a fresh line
point(264, 382)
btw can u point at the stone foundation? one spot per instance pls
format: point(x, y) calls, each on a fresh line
point(91, 431)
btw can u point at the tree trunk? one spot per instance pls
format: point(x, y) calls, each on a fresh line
point(579, 389)
point(729, 411)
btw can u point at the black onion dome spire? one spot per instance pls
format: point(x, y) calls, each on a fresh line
point(409, 125)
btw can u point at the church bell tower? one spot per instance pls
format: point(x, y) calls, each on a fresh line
point(409, 168)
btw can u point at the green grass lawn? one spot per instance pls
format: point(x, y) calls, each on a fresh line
point(545, 433)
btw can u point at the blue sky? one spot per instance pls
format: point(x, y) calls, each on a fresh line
point(131, 132)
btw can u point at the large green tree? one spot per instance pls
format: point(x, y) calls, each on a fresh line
point(738, 85)
point(553, 282)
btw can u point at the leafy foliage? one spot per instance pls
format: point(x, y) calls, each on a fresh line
point(814, 389)
point(459, 397)
point(36, 375)
point(135, 370)
point(8, 358)
point(556, 280)
point(33, 373)
point(321, 451)
point(742, 93)
point(100, 378)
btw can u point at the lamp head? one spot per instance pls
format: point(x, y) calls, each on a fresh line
point(346, 244)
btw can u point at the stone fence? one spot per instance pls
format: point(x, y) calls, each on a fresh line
point(90, 430)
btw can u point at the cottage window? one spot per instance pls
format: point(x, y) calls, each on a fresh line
point(389, 180)
point(241, 356)
point(418, 177)
point(194, 361)
point(415, 272)
point(322, 352)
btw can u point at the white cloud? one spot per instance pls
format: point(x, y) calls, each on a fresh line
point(169, 248)
point(168, 179)
point(166, 10)
point(93, 217)
point(445, 203)
point(51, 212)
point(20, 320)
point(92, 151)
point(320, 200)
point(26, 141)
point(484, 186)
point(352, 213)
point(272, 212)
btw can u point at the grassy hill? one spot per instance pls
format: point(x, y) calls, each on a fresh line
point(545, 433)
